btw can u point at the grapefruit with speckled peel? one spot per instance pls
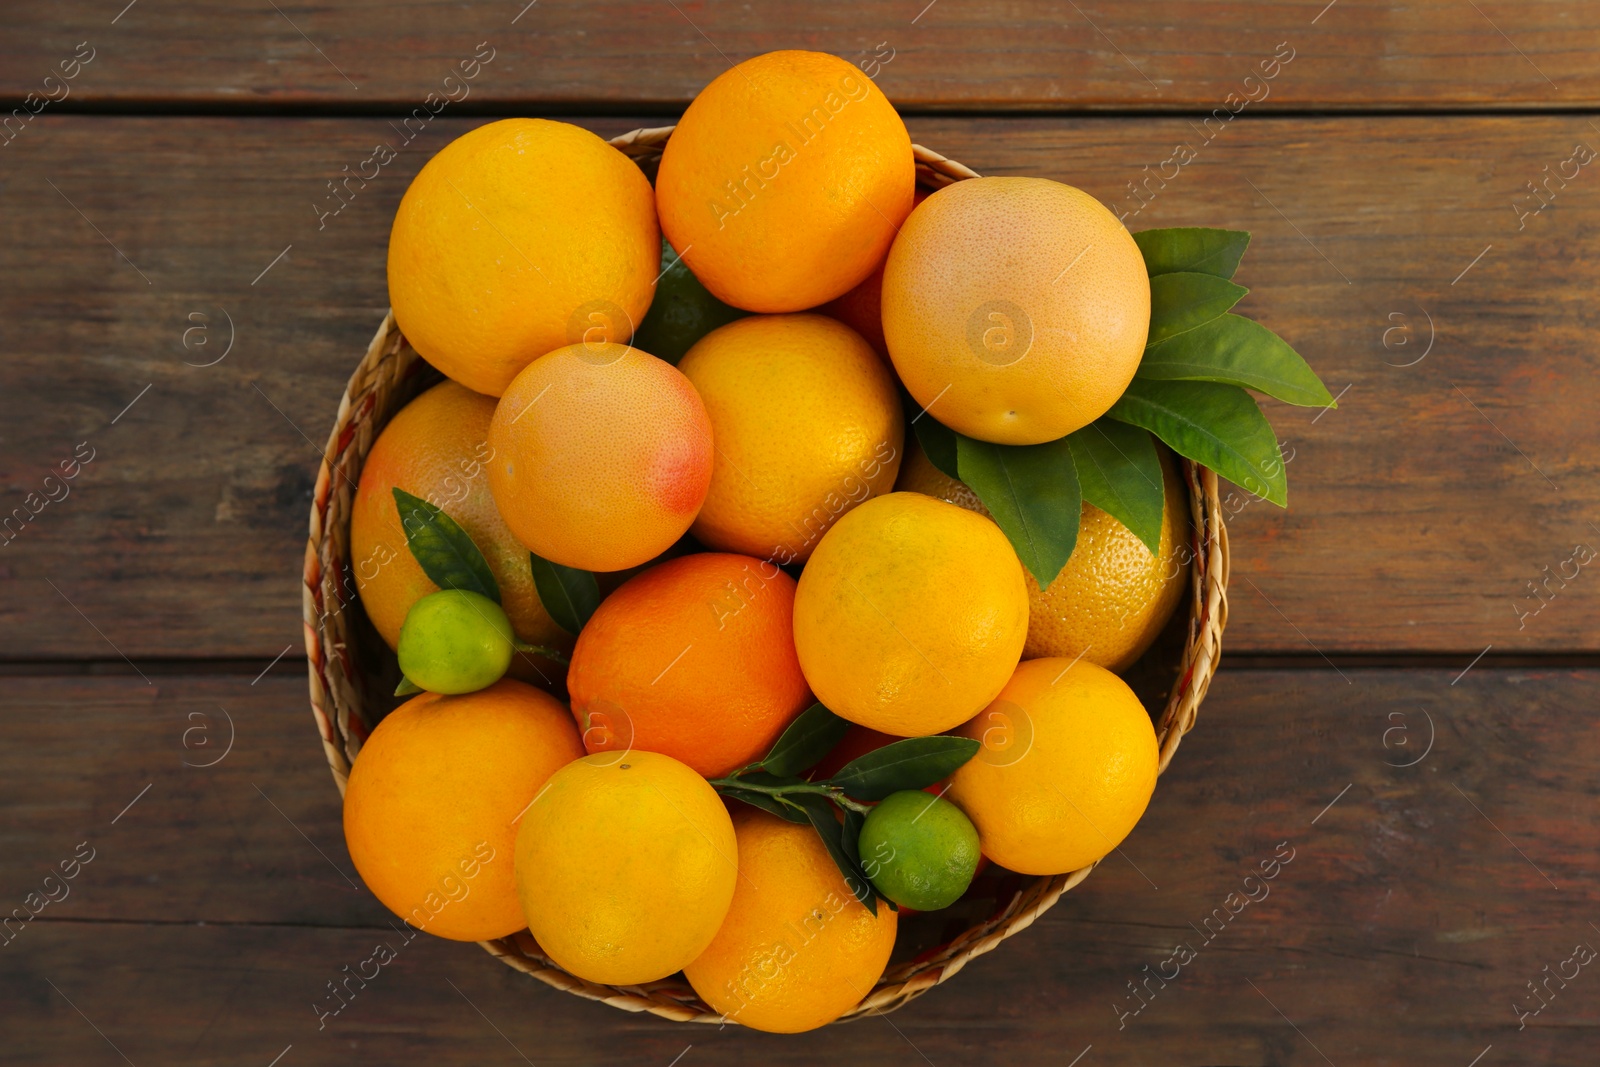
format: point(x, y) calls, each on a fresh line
point(602, 456)
point(437, 448)
point(1015, 309)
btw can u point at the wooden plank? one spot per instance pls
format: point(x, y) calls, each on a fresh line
point(1021, 54)
point(1416, 903)
point(1459, 468)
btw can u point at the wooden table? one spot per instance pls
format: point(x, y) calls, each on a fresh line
point(1408, 696)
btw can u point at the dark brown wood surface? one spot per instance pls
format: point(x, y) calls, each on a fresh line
point(1435, 510)
point(1418, 902)
point(180, 308)
point(1019, 55)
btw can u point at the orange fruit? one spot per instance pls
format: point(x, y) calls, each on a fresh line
point(437, 448)
point(602, 456)
point(911, 615)
point(693, 658)
point(807, 424)
point(1015, 309)
point(431, 805)
point(861, 308)
point(1068, 766)
point(785, 181)
point(1113, 598)
point(625, 867)
point(517, 238)
point(797, 949)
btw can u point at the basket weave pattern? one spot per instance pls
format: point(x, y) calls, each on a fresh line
point(392, 373)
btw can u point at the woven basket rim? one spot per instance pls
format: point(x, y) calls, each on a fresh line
point(376, 390)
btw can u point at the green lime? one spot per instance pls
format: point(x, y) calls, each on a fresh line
point(682, 312)
point(454, 641)
point(919, 850)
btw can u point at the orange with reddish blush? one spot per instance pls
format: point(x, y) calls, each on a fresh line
point(602, 456)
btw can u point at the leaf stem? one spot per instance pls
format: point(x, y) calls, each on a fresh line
point(826, 789)
point(542, 650)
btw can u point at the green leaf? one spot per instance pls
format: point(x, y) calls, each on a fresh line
point(681, 312)
point(568, 594)
point(850, 838)
point(768, 803)
point(1032, 492)
point(443, 549)
point(1120, 472)
point(1238, 351)
point(1205, 251)
point(766, 781)
point(910, 764)
point(1217, 425)
point(406, 687)
point(938, 443)
point(820, 811)
point(805, 741)
point(1183, 300)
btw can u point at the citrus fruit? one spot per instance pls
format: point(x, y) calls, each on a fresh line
point(807, 424)
point(920, 851)
point(455, 641)
point(911, 615)
point(797, 949)
point(437, 448)
point(1113, 597)
point(693, 658)
point(682, 312)
point(626, 867)
point(785, 181)
point(861, 308)
point(1015, 309)
point(430, 806)
point(602, 456)
point(1077, 782)
point(517, 238)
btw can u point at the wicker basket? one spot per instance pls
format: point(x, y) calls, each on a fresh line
point(351, 678)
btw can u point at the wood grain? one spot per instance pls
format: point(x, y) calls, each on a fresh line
point(206, 925)
point(1420, 510)
point(617, 55)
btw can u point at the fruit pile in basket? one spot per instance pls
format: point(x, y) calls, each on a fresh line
point(764, 566)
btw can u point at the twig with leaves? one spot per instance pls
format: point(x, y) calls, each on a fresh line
point(836, 806)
